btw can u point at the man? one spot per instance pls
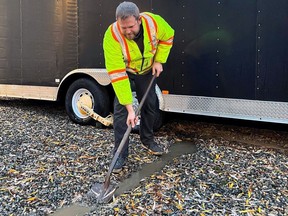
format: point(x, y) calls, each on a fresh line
point(135, 47)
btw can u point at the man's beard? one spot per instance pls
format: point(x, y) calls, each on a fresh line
point(130, 36)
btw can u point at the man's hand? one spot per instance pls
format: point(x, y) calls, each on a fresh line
point(157, 68)
point(131, 118)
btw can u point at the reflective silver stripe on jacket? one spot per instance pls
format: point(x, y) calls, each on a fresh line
point(121, 41)
point(152, 27)
point(117, 75)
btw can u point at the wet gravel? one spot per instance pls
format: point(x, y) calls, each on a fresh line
point(47, 163)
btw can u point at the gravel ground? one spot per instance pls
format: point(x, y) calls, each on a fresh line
point(47, 162)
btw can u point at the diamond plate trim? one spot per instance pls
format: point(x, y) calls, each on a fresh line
point(268, 111)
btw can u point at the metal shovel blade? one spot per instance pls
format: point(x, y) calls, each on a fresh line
point(101, 194)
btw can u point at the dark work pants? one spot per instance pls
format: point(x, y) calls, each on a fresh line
point(147, 113)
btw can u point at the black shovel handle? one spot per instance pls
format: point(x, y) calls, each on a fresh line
point(126, 135)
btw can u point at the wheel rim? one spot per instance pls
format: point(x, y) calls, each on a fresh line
point(84, 96)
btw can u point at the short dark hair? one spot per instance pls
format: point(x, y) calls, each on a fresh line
point(127, 9)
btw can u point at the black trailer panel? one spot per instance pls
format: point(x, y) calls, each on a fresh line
point(272, 51)
point(39, 41)
point(49, 40)
point(92, 18)
point(10, 42)
point(215, 48)
point(230, 49)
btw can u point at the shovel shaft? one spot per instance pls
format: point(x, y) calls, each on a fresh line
point(125, 137)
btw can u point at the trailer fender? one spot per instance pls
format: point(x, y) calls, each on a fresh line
point(99, 74)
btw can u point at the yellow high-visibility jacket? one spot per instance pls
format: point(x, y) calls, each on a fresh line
point(123, 55)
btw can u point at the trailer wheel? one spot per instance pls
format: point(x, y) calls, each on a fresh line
point(92, 94)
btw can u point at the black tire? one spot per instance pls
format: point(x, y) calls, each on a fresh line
point(98, 97)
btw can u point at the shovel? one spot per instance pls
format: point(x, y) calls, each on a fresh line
point(104, 192)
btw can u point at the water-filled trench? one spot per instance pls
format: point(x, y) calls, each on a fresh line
point(175, 150)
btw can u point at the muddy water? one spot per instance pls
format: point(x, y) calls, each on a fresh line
point(147, 170)
point(73, 210)
point(132, 182)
